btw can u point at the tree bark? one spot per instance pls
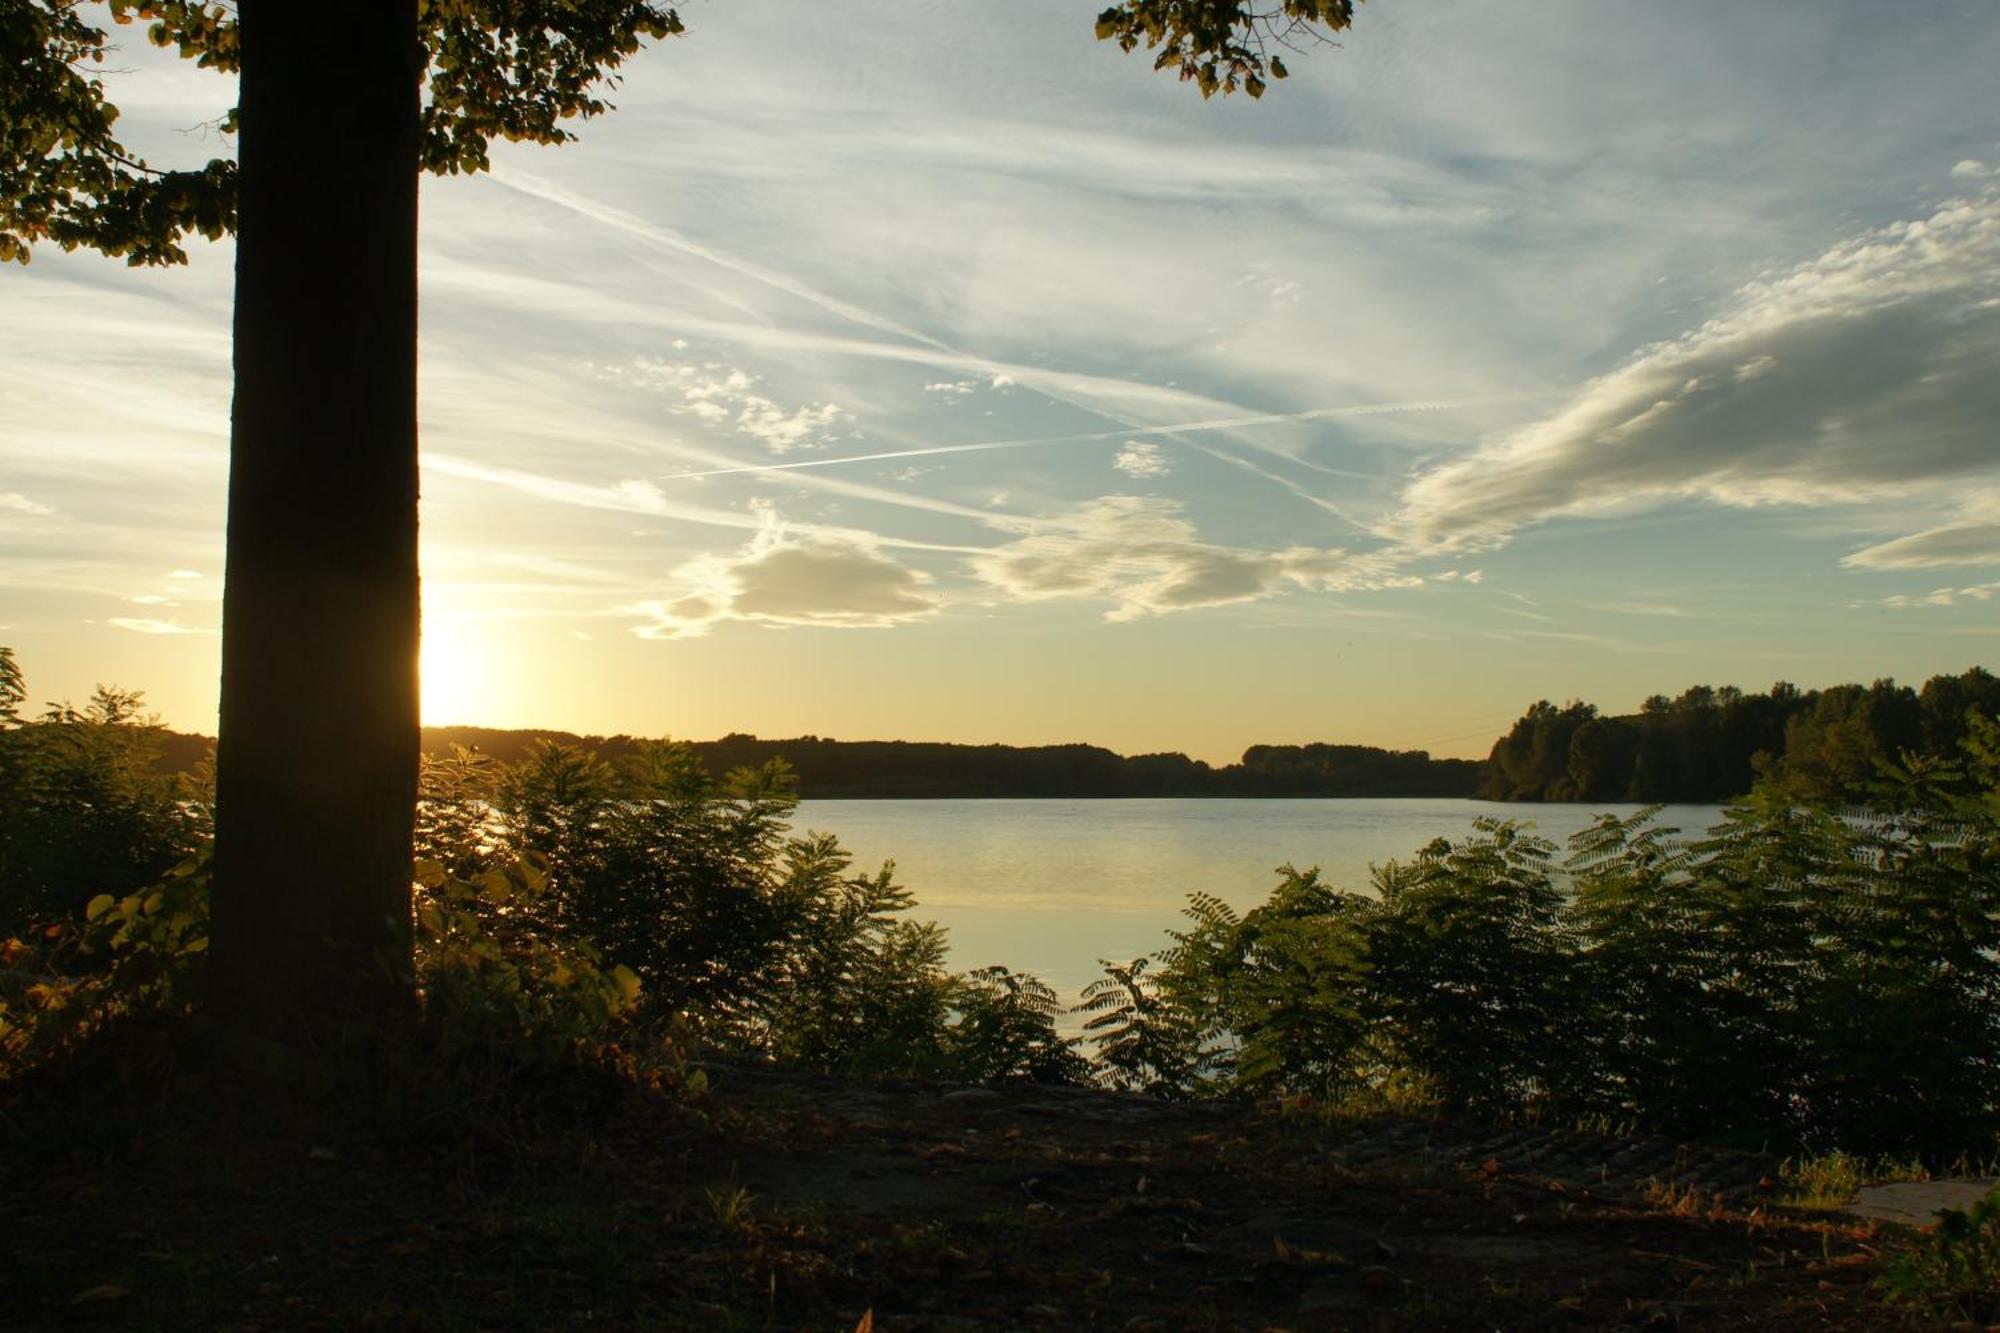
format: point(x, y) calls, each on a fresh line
point(317, 763)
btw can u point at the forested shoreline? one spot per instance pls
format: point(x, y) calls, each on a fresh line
point(1708, 745)
point(1714, 743)
point(832, 769)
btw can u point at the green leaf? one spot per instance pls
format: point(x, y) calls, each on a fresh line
point(496, 887)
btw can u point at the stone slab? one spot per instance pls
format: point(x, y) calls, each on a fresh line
point(1917, 1203)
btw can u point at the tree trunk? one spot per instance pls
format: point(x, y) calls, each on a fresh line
point(317, 765)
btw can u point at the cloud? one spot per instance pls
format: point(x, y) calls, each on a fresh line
point(1666, 610)
point(783, 577)
point(1140, 554)
point(150, 626)
point(1973, 538)
point(783, 431)
point(714, 392)
point(16, 503)
point(1978, 592)
point(1867, 370)
point(1141, 458)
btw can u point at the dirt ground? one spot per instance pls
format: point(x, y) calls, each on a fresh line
point(784, 1200)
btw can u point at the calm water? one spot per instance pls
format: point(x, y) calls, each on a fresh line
point(1052, 886)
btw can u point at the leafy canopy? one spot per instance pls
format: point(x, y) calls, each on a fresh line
point(511, 69)
point(1222, 45)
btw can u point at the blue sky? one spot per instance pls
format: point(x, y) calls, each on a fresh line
point(931, 370)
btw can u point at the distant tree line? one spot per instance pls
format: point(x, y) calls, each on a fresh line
point(1714, 743)
point(1709, 745)
point(832, 769)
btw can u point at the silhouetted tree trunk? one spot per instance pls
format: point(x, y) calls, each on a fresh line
point(317, 765)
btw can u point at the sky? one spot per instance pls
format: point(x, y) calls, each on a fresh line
point(932, 371)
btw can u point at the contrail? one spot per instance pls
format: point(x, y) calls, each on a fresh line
point(1059, 386)
point(668, 239)
point(1088, 437)
point(640, 497)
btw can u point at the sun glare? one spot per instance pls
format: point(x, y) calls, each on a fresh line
point(454, 676)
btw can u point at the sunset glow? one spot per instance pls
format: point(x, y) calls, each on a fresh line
point(1030, 399)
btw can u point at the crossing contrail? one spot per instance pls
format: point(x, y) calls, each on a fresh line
point(1088, 437)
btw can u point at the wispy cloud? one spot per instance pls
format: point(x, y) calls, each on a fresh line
point(1664, 610)
point(15, 502)
point(1978, 592)
point(668, 239)
point(639, 496)
point(140, 626)
point(1244, 422)
point(1971, 538)
point(1867, 370)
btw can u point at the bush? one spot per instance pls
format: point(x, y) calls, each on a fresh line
point(1473, 963)
point(1795, 977)
point(487, 980)
point(86, 811)
point(1955, 1269)
point(741, 933)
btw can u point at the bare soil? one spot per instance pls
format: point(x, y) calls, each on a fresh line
point(785, 1200)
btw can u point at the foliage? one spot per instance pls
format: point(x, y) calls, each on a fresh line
point(1795, 977)
point(87, 810)
point(13, 687)
point(1829, 1181)
point(128, 955)
point(63, 174)
point(489, 981)
point(512, 69)
point(837, 769)
point(488, 976)
point(1471, 954)
point(854, 986)
point(743, 934)
point(560, 902)
point(1221, 45)
point(1713, 744)
point(1004, 1029)
point(455, 812)
point(1145, 1041)
point(1955, 1268)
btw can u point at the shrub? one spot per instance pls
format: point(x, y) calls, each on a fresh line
point(1796, 977)
point(1955, 1268)
point(1003, 1029)
point(86, 812)
point(1472, 959)
point(736, 930)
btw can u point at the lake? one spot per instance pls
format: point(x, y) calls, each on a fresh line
point(1051, 886)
